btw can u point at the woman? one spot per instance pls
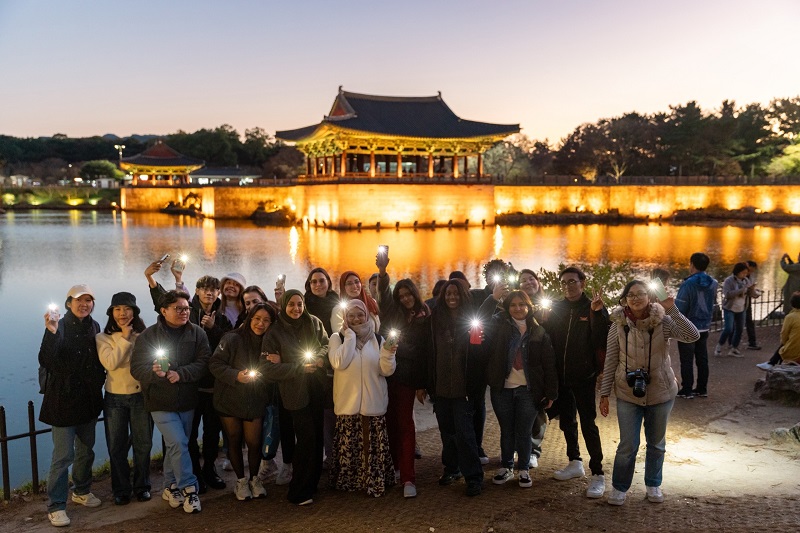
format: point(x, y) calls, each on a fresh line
point(240, 396)
point(124, 402)
point(350, 287)
point(734, 293)
point(361, 362)
point(296, 348)
point(321, 301)
point(522, 375)
point(403, 310)
point(456, 373)
point(252, 296)
point(639, 370)
point(72, 381)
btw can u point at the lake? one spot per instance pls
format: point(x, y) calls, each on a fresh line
point(43, 253)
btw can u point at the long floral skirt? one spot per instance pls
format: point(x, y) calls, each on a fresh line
point(361, 458)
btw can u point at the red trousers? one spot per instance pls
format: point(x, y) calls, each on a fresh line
point(402, 434)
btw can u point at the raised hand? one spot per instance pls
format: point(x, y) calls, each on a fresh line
point(209, 320)
point(597, 300)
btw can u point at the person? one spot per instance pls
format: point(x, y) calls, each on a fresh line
point(529, 284)
point(789, 350)
point(522, 378)
point(373, 285)
point(231, 289)
point(361, 361)
point(403, 311)
point(752, 294)
point(455, 375)
point(123, 403)
point(73, 398)
point(350, 287)
point(241, 397)
point(296, 348)
point(695, 300)
point(321, 301)
point(792, 284)
point(169, 359)
point(734, 292)
point(578, 327)
point(639, 370)
point(252, 296)
point(437, 289)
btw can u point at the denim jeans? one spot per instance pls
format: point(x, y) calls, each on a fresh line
point(211, 430)
point(732, 328)
point(457, 430)
point(537, 433)
point(630, 416)
point(516, 412)
point(72, 445)
point(176, 428)
point(128, 424)
point(692, 353)
point(579, 401)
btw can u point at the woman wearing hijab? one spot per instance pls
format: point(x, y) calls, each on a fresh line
point(123, 404)
point(350, 288)
point(241, 397)
point(296, 348)
point(361, 362)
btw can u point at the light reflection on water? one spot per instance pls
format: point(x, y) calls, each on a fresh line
point(43, 253)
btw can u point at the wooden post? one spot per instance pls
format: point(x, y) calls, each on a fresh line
point(372, 164)
point(308, 165)
point(430, 165)
point(316, 166)
point(343, 164)
point(399, 164)
point(455, 167)
point(480, 166)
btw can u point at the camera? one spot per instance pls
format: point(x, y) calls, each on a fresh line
point(638, 380)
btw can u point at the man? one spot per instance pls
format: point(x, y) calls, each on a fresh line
point(752, 294)
point(169, 359)
point(695, 300)
point(71, 379)
point(578, 327)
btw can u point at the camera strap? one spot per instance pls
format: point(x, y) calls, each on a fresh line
point(627, 329)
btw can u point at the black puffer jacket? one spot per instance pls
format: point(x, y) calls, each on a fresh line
point(73, 393)
point(188, 355)
point(415, 346)
point(239, 350)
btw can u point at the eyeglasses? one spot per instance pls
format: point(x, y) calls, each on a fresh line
point(181, 310)
point(636, 295)
point(568, 282)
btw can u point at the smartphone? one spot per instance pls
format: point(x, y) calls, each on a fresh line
point(383, 249)
point(658, 289)
point(391, 340)
point(163, 258)
point(179, 265)
point(280, 283)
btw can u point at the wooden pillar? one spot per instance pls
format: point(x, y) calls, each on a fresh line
point(308, 166)
point(480, 166)
point(466, 167)
point(430, 165)
point(455, 167)
point(399, 164)
point(316, 165)
point(372, 164)
point(343, 164)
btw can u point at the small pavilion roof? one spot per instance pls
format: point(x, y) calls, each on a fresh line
point(401, 116)
point(161, 155)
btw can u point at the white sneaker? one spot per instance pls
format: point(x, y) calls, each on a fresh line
point(191, 501)
point(257, 488)
point(764, 366)
point(173, 495)
point(88, 499)
point(267, 471)
point(58, 518)
point(284, 474)
point(484, 460)
point(735, 353)
point(534, 462)
point(597, 487)
point(307, 502)
point(717, 352)
point(617, 497)
point(655, 495)
point(242, 490)
point(503, 475)
point(226, 466)
point(525, 479)
point(409, 490)
point(572, 470)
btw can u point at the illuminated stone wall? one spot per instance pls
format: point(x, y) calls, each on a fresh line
point(345, 205)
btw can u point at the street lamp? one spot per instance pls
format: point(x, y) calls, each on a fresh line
point(120, 148)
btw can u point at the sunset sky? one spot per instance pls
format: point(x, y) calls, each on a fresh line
point(87, 68)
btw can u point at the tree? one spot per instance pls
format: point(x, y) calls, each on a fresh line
point(785, 115)
point(681, 130)
point(787, 164)
point(92, 170)
point(756, 142)
point(288, 162)
point(508, 159)
point(258, 147)
point(581, 152)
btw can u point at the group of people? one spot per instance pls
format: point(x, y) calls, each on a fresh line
point(332, 378)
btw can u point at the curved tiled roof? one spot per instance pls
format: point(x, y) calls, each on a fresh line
point(426, 116)
point(161, 155)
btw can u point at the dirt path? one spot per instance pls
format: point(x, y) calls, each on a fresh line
point(721, 473)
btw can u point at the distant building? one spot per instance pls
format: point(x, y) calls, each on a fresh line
point(392, 136)
point(223, 176)
point(160, 165)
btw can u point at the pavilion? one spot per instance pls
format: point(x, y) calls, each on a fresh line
point(367, 136)
point(160, 165)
